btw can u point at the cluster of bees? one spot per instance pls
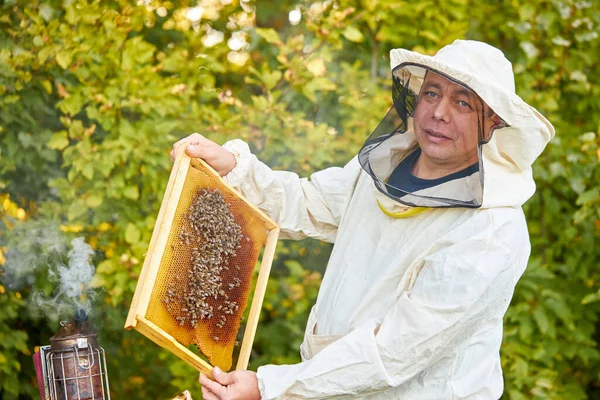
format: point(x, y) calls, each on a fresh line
point(214, 238)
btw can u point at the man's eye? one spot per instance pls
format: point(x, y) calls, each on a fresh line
point(430, 94)
point(463, 103)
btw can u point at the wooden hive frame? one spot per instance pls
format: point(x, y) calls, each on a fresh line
point(136, 318)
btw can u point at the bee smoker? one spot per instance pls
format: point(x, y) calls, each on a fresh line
point(73, 367)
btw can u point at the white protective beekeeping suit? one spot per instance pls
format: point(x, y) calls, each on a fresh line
point(409, 308)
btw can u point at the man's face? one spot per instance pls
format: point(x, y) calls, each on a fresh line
point(446, 123)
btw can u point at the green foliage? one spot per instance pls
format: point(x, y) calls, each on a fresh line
point(287, 304)
point(93, 94)
point(10, 342)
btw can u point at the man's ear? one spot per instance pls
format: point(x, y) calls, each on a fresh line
point(497, 121)
point(492, 122)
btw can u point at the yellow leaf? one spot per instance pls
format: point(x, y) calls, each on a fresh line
point(64, 58)
point(62, 91)
point(316, 67)
point(21, 214)
point(103, 227)
point(136, 380)
point(72, 228)
point(47, 85)
point(90, 131)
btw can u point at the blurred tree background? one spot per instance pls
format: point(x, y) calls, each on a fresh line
point(94, 93)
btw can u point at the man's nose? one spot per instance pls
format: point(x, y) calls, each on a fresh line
point(441, 112)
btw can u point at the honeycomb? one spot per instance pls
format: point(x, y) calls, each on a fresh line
point(214, 336)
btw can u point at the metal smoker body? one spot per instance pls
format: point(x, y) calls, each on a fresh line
point(74, 366)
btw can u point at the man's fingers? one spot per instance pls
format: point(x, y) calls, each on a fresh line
point(208, 395)
point(194, 138)
point(213, 386)
point(223, 378)
point(195, 150)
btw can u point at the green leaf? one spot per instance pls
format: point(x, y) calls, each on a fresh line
point(59, 140)
point(562, 311)
point(132, 234)
point(43, 54)
point(317, 84)
point(94, 200)
point(353, 34)
point(26, 140)
point(269, 34)
point(72, 105)
point(131, 192)
point(591, 298)
point(106, 267)
point(88, 171)
point(64, 58)
point(590, 196)
point(76, 209)
point(38, 41)
point(294, 267)
point(541, 319)
point(137, 52)
point(76, 129)
point(271, 79)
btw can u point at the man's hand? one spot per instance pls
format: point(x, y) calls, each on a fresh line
point(236, 385)
point(217, 157)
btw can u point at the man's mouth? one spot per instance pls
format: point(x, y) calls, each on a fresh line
point(436, 136)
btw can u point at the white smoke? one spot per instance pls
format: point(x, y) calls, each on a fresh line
point(35, 256)
point(75, 277)
point(32, 247)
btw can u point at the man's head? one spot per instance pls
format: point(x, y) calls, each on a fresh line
point(449, 122)
point(449, 105)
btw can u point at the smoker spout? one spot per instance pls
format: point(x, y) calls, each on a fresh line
point(80, 316)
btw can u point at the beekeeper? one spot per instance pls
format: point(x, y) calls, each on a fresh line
point(430, 238)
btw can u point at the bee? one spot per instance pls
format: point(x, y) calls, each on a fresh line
point(214, 236)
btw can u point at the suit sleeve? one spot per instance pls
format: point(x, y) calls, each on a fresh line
point(302, 207)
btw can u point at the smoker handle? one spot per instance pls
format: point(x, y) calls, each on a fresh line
point(90, 354)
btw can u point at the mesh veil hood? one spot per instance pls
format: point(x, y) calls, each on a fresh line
point(508, 156)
